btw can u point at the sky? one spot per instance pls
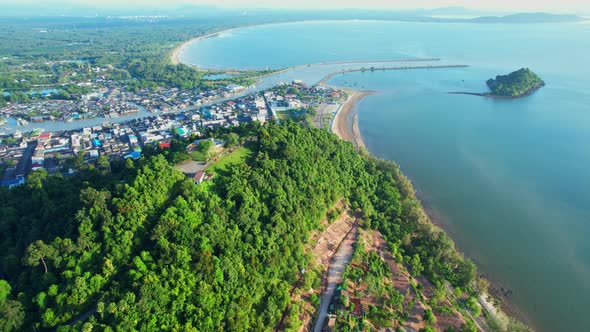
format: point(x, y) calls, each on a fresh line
point(556, 6)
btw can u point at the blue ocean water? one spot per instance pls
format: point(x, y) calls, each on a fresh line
point(508, 178)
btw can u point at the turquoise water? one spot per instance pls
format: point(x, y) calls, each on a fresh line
point(508, 178)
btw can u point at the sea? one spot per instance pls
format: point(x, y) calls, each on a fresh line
point(509, 179)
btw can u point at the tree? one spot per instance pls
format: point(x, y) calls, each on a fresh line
point(11, 316)
point(103, 163)
point(482, 285)
point(473, 305)
point(416, 266)
point(429, 316)
point(36, 178)
point(231, 140)
point(4, 290)
point(37, 252)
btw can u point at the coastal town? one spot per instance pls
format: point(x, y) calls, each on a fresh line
point(174, 114)
point(106, 98)
point(195, 166)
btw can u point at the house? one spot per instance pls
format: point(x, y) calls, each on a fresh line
point(165, 145)
point(75, 139)
point(93, 154)
point(182, 131)
point(38, 156)
point(199, 177)
point(13, 182)
point(44, 137)
point(133, 155)
point(36, 167)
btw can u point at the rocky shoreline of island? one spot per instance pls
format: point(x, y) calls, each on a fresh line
point(493, 96)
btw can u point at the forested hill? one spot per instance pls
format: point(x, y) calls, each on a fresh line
point(138, 246)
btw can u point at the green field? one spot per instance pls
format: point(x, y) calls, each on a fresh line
point(283, 115)
point(238, 156)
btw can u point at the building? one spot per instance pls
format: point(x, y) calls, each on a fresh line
point(39, 155)
point(44, 137)
point(199, 177)
point(93, 154)
point(75, 139)
point(132, 139)
point(133, 155)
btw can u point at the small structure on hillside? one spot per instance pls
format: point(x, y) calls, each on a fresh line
point(199, 177)
point(357, 309)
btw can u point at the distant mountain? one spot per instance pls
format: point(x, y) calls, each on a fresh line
point(529, 18)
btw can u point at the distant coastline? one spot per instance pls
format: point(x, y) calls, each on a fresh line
point(175, 55)
point(525, 18)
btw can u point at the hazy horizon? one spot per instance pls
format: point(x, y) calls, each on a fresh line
point(484, 6)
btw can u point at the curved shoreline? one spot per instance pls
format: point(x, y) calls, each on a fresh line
point(176, 53)
point(345, 125)
point(345, 122)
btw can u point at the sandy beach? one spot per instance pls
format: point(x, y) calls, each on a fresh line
point(345, 123)
point(177, 52)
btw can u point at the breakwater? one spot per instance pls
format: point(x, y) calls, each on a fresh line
point(372, 69)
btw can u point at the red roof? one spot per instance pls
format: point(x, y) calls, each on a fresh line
point(199, 176)
point(358, 308)
point(45, 135)
point(165, 145)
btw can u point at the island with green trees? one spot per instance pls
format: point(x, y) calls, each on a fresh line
point(516, 84)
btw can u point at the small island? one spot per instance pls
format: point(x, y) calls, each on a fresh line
point(516, 84)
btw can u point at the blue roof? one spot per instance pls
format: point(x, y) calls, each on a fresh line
point(134, 155)
point(13, 182)
point(97, 143)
